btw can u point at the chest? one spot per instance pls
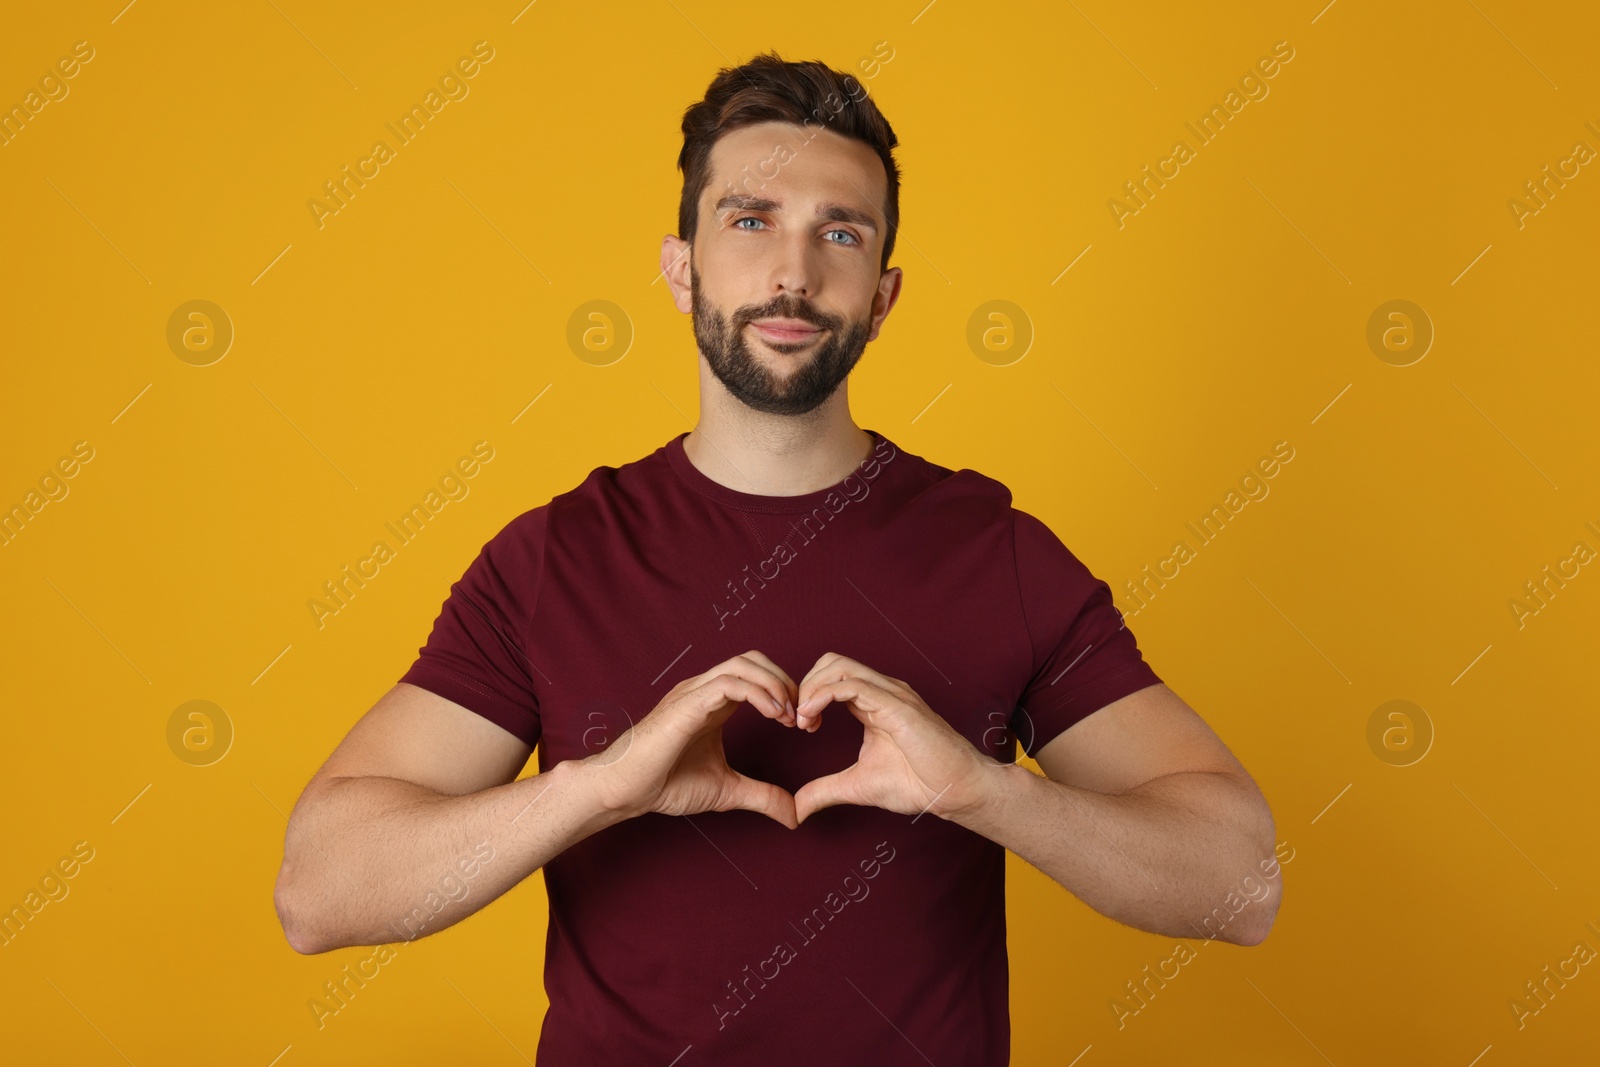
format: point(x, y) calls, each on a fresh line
point(624, 617)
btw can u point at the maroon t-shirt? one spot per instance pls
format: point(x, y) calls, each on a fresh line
point(864, 936)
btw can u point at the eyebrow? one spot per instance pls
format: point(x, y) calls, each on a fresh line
point(829, 212)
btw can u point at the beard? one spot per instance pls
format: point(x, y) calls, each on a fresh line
point(742, 373)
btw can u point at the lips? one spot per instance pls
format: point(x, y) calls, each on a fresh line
point(786, 334)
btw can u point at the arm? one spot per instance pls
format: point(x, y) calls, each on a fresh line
point(1145, 816)
point(1149, 819)
point(416, 821)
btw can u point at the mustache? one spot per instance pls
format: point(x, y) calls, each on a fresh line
point(800, 312)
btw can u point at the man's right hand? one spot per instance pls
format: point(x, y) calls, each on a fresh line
point(672, 760)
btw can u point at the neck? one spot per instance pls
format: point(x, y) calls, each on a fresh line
point(774, 455)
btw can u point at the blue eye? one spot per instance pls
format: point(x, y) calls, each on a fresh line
point(734, 224)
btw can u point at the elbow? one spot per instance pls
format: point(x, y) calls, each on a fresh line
point(1253, 933)
point(1264, 891)
point(1257, 920)
point(291, 918)
point(1250, 908)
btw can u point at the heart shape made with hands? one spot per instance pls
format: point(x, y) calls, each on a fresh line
point(911, 760)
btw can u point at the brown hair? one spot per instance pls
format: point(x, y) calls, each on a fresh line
point(769, 89)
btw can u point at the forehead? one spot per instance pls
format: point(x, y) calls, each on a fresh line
point(785, 161)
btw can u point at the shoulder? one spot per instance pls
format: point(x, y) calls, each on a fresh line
point(611, 493)
point(1043, 557)
point(516, 550)
point(964, 496)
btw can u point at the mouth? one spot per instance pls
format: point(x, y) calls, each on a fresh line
point(786, 334)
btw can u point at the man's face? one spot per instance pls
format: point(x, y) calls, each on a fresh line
point(791, 229)
point(792, 376)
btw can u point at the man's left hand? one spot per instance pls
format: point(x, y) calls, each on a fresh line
point(911, 759)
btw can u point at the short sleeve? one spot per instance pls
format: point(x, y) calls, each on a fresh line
point(476, 654)
point(1084, 655)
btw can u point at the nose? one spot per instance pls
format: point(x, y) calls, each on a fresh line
point(793, 270)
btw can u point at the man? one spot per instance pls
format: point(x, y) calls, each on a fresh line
point(776, 673)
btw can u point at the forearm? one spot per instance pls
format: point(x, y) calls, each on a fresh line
point(370, 861)
point(1187, 854)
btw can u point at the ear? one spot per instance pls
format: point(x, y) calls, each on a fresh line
point(888, 293)
point(675, 254)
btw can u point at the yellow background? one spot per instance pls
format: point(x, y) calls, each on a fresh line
point(1229, 313)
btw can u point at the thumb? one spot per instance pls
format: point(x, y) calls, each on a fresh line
point(825, 792)
point(765, 798)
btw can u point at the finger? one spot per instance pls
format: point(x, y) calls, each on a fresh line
point(824, 661)
point(834, 667)
point(767, 675)
point(825, 792)
point(761, 675)
point(861, 696)
point(762, 659)
point(710, 703)
point(770, 800)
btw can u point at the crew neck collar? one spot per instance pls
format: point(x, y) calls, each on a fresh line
point(691, 476)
